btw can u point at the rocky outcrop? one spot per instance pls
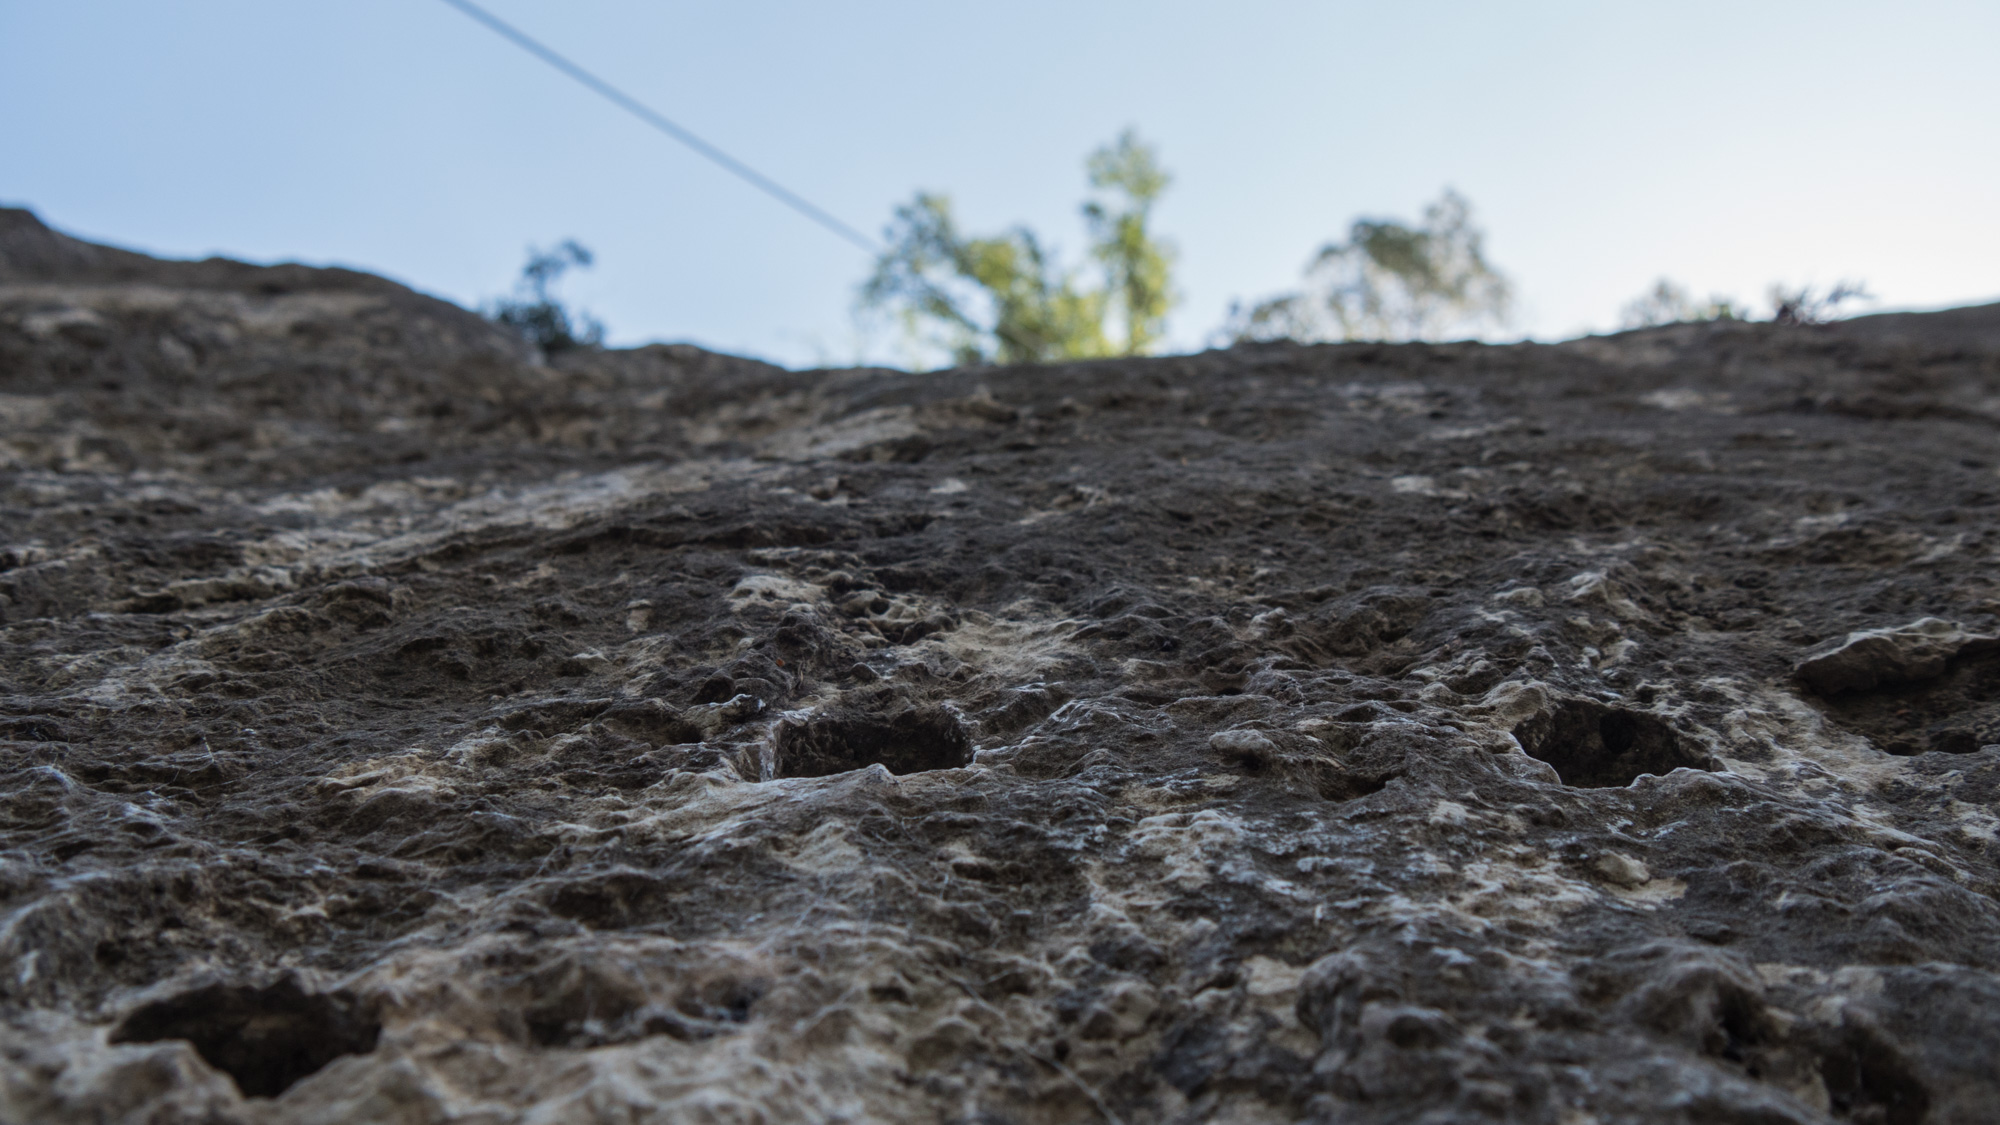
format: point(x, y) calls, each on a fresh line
point(397, 727)
point(1877, 658)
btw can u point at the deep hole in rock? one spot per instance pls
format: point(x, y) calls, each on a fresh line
point(623, 898)
point(1597, 746)
point(578, 1006)
point(1867, 1080)
point(833, 742)
point(265, 1038)
point(1957, 712)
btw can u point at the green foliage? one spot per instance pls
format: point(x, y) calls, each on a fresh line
point(934, 278)
point(534, 311)
point(1668, 303)
point(1007, 299)
point(1390, 281)
point(1138, 267)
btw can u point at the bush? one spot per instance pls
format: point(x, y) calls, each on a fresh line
point(1806, 305)
point(1669, 303)
point(1389, 281)
point(536, 314)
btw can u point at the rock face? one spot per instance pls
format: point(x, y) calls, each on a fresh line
point(400, 728)
point(1879, 658)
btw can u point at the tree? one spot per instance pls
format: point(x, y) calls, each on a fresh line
point(1668, 303)
point(535, 312)
point(1807, 305)
point(1008, 299)
point(981, 300)
point(1138, 267)
point(1389, 281)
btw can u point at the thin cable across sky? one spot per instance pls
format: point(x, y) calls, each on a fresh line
point(638, 109)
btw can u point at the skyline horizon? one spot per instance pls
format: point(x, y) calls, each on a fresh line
point(1215, 342)
point(1602, 148)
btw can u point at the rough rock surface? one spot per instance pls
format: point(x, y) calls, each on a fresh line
point(399, 728)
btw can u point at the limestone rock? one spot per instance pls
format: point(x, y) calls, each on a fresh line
point(1873, 658)
point(396, 727)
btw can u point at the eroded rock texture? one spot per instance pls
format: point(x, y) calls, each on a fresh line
point(400, 729)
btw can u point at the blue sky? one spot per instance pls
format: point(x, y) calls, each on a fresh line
point(1603, 145)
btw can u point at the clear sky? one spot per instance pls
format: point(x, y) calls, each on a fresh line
point(1726, 145)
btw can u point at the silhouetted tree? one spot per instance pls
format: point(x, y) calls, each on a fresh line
point(535, 312)
point(1805, 304)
